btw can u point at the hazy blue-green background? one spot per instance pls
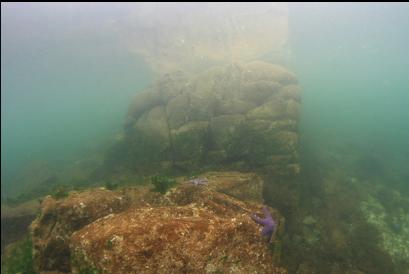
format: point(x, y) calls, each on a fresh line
point(67, 79)
point(353, 64)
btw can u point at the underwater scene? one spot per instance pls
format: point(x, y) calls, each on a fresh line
point(205, 138)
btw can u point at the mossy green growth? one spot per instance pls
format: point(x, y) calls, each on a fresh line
point(82, 265)
point(140, 152)
point(19, 258)
point(60, 192)
point(250, 145)
point(189, 147)
point(162, 183)
point(109, 244)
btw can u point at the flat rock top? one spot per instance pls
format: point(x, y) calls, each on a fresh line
point(190, 229)
point(243, 186)
point(182, 239)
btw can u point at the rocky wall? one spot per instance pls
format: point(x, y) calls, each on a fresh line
point(238, 116)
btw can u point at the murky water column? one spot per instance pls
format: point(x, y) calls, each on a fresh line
point(195, 36)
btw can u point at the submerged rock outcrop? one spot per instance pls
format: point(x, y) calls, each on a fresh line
point(183, 239)
point(51, 230)
point(191, 229)
point(392, 226)
point(238, 116)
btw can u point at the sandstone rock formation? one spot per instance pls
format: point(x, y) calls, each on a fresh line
point(184, 239)
point(235, 116)
point(192, 229)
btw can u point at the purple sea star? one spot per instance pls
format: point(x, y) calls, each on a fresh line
point(199, 181)
point(268, 223)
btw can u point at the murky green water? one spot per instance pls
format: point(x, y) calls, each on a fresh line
point(352, 61)
point(66, 83)
point(69, 74)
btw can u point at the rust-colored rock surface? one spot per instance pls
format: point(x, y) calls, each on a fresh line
point(190, 229)
point(188, 239)
point(59, 218)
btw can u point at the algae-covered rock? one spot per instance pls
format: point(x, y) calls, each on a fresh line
point(242, 186)
point(258, 70)
point(172, 240)
point(187, 121)
point(392, 226)
point(190, 228)
point(233, 106)
point(177, 111)
point(309, 220)
point(52, 229)
point(223, 126)
point(291, 91)
point(287, 141)
point(18, 257)
point(257, 92)
point(154, 122)
point(197, 230)
point(143, 102)
point(189, 145)
point(292, 109)
point(273, 110)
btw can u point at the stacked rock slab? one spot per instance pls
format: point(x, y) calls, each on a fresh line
point(233, 116)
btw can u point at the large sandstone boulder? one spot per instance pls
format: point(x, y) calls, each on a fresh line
point(199, 231)
point(186, 239)
point(190, 229)
point(234, 116)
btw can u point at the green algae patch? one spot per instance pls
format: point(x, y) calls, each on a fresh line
point(81, 265)
point(162, 183)
point(18, 258)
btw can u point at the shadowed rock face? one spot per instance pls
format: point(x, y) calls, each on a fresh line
point(16, 220)
point(235, 116)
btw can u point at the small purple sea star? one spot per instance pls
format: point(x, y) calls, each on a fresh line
point(199, 181)
point(268, 223)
